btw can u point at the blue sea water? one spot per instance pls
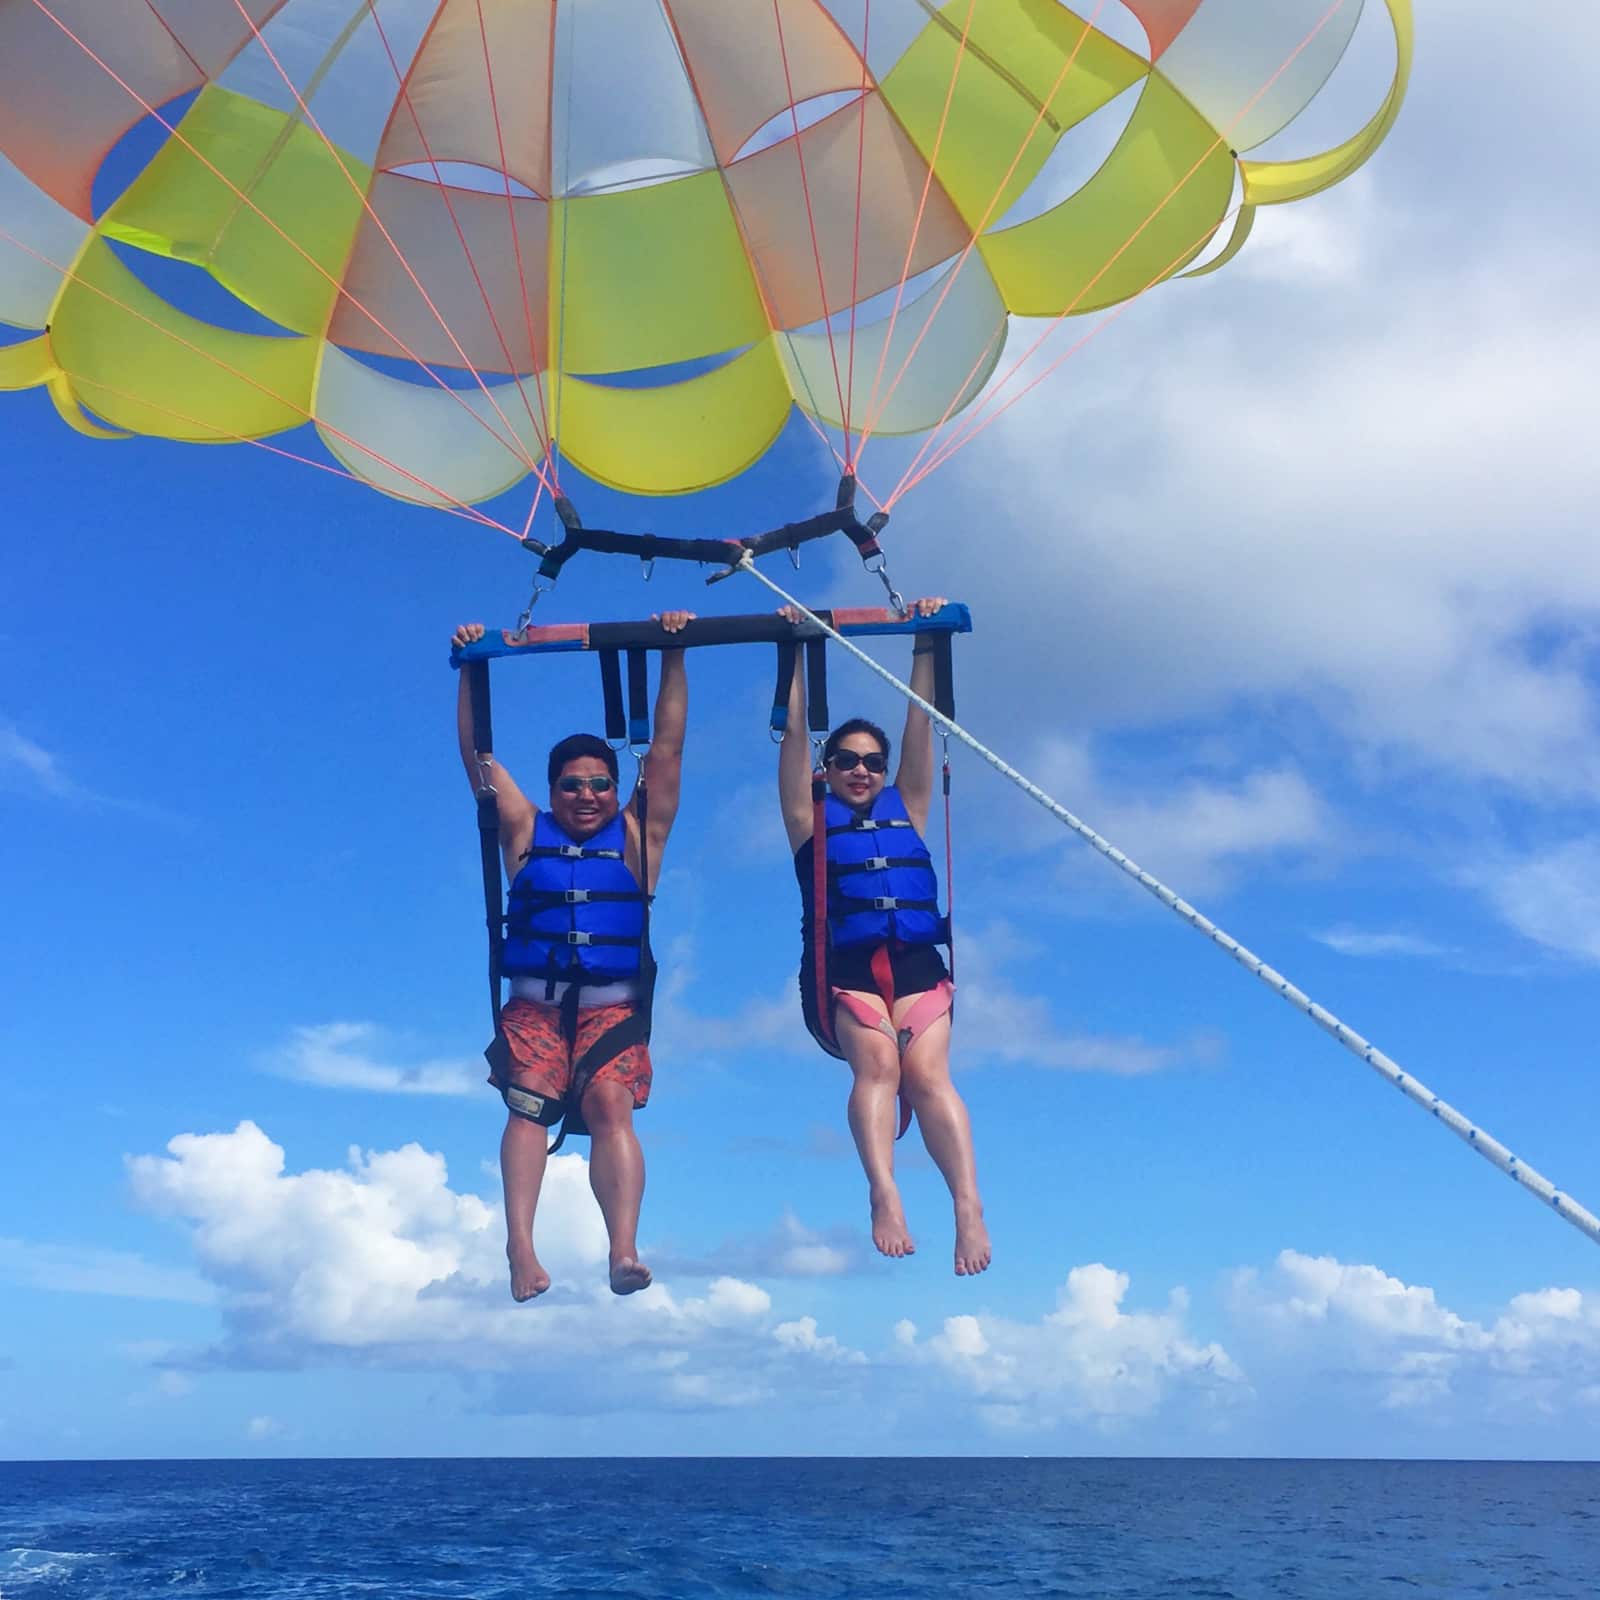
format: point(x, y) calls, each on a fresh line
point(918, 1529)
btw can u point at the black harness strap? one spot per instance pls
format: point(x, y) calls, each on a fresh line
point(611, 692)
point(788, 651)
point(817, 685)
point(638, 703)
point(488, 831)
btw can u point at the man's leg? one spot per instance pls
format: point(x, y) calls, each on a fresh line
point(522, 1160)
point(874, 1120)
point(947, 1132)
point(616, 1174)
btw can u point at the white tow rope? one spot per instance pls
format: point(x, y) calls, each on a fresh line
point(1488, 1147)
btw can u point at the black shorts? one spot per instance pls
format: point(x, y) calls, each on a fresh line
point(914, 967)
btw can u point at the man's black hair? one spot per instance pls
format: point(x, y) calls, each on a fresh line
point(855, 725)
point(578, 745)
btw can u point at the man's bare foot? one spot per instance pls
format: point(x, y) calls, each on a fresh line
point(889, 1231)
point(972, 1240)
point(628, 1275)
point(528, 1279)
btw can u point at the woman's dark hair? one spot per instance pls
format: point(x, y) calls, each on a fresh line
point(578, 745)
point(855, 725)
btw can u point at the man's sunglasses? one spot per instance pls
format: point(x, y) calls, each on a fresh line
point(847, 760)
point(600, 785)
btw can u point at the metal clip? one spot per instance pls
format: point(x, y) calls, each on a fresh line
point(794, 556)
point(539, 587)
point(879, 567)
point(647, 567)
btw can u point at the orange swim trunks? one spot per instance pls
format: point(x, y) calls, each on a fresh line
point(542, 1061)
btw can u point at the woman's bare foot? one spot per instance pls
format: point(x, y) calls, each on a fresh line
point(628, 1275)
point(889, 1231)
point(528, 1279)
point(972, 1240)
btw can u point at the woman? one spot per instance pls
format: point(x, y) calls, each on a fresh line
point(886, 1006)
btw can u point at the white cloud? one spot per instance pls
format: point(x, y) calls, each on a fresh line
point(337, 1055)
point(263, 1427)
point(384, 1263)
point(86, 1269)
point(1371, 943)
point(1406, 1351)
point(1088, 1361)
point(1551, 896)
point(802, 1336)
point(25, 762)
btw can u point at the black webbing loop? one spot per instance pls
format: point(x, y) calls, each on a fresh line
point(944, 678)
point(639, 703)
point(482, 723)
point(788, 653)
point(817, 685)
point(488, 828)
point(611, 690)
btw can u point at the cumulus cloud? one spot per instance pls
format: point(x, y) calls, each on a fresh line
point(1406, 1351)
point(341, 1055)
point(1087, 1362)
point(382, 1262)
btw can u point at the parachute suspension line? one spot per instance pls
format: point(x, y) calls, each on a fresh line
point(934, 449)
point(239, 193)
point(873, 409)
point(364, 196)
point(543, 427)
point(454, 506)
point(403, 82)
point(982, 223)
point(571, 13)
point(855, 243)
point(1488, 1147)
point(811, 223)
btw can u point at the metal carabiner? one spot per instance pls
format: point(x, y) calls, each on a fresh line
point(539, 587)
point(881, 572)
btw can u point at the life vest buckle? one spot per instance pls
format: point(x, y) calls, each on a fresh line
point(876, 864)
point(570, 852)
point(580, 938)
point(578, 897)
point(884, 902)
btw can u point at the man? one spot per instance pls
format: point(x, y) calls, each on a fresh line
point(571, 1041)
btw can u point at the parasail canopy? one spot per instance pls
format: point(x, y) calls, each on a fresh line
point(476, 239)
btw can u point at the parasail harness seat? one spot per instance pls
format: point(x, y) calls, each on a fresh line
point(627, 726)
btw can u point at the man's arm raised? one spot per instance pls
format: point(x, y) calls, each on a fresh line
point(663, 766)
point(515, 809)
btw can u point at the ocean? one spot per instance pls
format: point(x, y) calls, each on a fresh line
point(873, 1529)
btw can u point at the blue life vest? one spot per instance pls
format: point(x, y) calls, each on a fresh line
point(575, 912)
point(881, 882)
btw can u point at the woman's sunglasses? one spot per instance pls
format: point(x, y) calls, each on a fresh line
point(847, 761)
point(601, 785)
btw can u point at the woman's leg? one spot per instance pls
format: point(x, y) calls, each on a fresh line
point(522, 1161)
point(946, 1131)
point(874, 1118)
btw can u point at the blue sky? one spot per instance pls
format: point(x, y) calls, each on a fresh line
point(1287, 586)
